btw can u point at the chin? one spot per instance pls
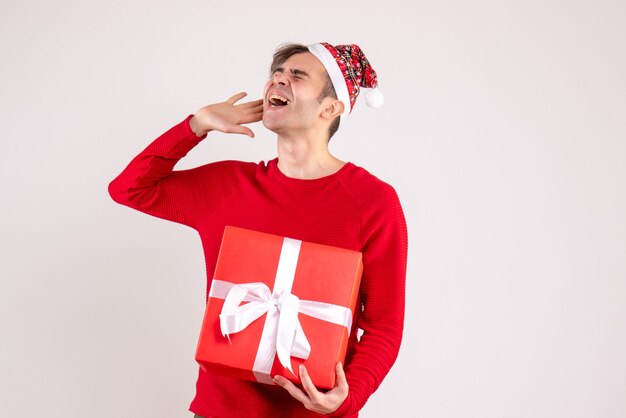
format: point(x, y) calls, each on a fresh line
point(272, 125)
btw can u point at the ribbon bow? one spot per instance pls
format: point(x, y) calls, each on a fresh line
point(284, 308)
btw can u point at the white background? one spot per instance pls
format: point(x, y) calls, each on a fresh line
point(504, 133)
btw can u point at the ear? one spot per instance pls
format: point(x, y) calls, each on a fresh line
point(333, 109)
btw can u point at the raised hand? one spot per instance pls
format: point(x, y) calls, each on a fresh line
point(227, 116)
point(311, 398)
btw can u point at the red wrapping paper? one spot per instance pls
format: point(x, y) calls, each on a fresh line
point(323, 273)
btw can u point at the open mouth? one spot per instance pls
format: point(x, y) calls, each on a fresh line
point(276, 100)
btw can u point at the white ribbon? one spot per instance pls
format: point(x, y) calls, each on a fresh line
point(282, 333)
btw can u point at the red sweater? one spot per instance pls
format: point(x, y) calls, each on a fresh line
point(350, 208)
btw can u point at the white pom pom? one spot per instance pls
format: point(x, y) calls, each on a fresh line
point(374, 98)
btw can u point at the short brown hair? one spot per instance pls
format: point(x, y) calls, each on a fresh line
point(282, 54)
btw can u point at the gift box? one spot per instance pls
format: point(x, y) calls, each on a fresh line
point(275, 303)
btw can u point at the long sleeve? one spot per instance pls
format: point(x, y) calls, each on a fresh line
point(350, 209)
point(383, 300)
point(150, 185)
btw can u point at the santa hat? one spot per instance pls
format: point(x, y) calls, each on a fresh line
point(349, 70)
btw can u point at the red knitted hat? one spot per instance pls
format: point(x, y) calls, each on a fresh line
point(349, 70)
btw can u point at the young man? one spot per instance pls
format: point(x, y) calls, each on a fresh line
point(305, 193)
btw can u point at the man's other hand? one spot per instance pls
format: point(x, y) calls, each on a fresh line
point(311, 398)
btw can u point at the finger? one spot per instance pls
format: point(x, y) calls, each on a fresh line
point(292, 389)
point(308, 385)
point(342, 382)
point(237, 129)
point(256, 109)
point(234, 99)
point(250, 112)
point(253, 103)
point(254, 117)
point(253, 110)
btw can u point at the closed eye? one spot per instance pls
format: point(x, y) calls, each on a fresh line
point(299, 74)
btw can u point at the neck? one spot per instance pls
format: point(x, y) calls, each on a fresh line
point(306, 158)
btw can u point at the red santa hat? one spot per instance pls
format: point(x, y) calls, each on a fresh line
point(349, 70)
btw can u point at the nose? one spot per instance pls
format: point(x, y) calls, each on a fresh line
point(279, 78)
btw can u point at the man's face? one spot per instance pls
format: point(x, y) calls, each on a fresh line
point(290, 96)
